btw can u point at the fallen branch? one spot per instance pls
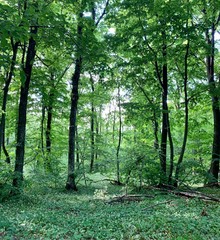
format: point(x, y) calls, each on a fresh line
point(190, 194)
point(195, 194)
point(129, 198)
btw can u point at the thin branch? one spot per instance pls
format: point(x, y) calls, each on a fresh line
point(103, 13)
point(42, 61)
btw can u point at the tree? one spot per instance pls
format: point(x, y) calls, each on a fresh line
point(71, 184)
point(214, 20)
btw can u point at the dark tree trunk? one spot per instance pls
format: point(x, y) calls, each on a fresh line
point(164, 134)
point(71, 183)
point(42, 127)
point(171, 153)
point(113, 125)
point(49, 125)
point(97, 135)
point(22, 114)
point(186, 127)
point(214, 167)
point(92, 126)
point(5, 96)
point(48, 136)
point(77, 146)
point(155, 126)
point(119, 138)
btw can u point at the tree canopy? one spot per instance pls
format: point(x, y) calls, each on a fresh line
point(126, 88)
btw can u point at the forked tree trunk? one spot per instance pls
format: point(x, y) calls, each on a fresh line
point(22, 114)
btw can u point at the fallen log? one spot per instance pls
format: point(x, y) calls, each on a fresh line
point(190, 194)
point(193, 194)
point(128, 198)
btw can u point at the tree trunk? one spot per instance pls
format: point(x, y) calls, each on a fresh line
point(5, 96)
point(214, 167)
point(43, 112)
point(22, 114)
point(71, 183)
point(180, 160)
point(92, 126)
point(77, 147)
point(164, 134)
point(119, 138)
point(97, 135)
point(171, 153)
point(49, 125)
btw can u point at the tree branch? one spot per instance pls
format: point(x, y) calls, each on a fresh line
point(103, 13)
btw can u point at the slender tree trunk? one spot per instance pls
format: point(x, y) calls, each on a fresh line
point(119, 138)
point(77, 147)
point(165, 126)
point(49, 125)
point(155, 126)
point(92, 127)
point(214, 166)
point(113, 125)
point(71, 183)
point(43, 112)
point(180, 160)
point(48, 137)
point(97, 136)
point(171, 152)
point(22, 115)
point(5, 96)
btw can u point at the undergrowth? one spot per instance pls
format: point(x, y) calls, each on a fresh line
point(56, 214)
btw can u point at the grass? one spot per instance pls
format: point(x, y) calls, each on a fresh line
point(56, 214)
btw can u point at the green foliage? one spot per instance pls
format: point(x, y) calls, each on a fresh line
point(5, 181)
point(55, 214)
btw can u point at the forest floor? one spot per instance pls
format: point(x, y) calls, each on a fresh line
point(96, 212)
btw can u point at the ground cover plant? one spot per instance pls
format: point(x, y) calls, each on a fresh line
point(91, 214)
point(109, 119)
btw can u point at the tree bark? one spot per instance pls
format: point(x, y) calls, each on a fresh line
point(119, 138)
point(43, 112)
point(214, 166)
point(180, 160)
point(71, 183)
point(22, 114)
point(92, 127)
point(164, 134)
point(49, 125)
point(5, 96)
